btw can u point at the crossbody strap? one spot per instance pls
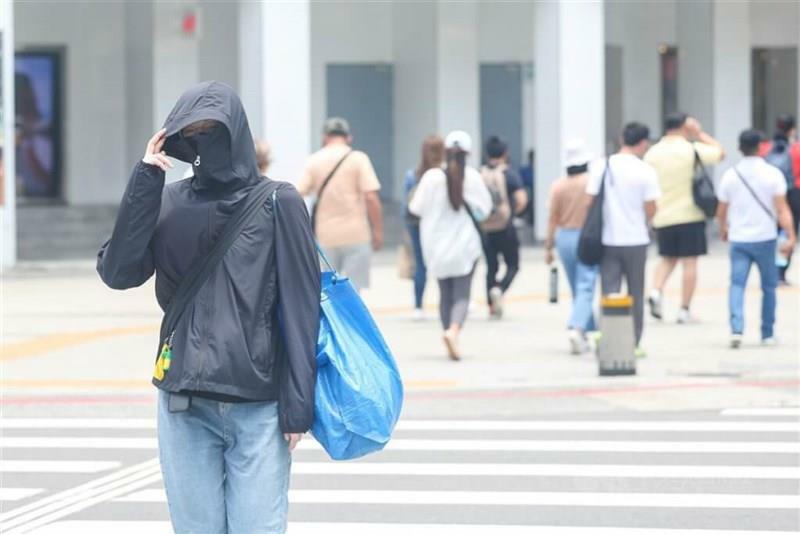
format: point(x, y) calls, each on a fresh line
point(322, 190)
point(202, 270)
point(753, 193)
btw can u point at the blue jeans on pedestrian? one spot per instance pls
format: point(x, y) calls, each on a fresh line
point(420, 273)
point(582, 280)
point(225, 467)
point(743, 256)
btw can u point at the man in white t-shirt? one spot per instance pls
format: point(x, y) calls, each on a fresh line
point(630, 194)
point(752, 198)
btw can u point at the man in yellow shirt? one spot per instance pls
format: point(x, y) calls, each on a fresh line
point(680, 225)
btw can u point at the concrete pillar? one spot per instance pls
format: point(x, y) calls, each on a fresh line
point(458, 70)
point(570, 86)
point(695, 34)
point(250, 67)
point(286, 85)
point(415, 81)
point(731, 83)
point(8, 232)
point(139, 100)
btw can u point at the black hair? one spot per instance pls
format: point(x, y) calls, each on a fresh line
point(634, 133)
point(749, 141)
point(784, 124)
point(577, 169)
point(496, 147)
point(675, 120)
point(454, 170)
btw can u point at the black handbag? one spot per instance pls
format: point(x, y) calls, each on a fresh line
point(590, 244)
point(703, 189)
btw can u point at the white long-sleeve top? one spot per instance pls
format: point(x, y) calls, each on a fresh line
point(450, 242)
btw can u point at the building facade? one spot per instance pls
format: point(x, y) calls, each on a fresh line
point(536, 73)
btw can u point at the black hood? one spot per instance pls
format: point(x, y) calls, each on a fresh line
point(215, 101)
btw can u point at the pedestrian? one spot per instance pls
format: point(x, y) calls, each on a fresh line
point(680, 225)
point(239, 391)
point(630, 195)
point(450, 203)
point(752, 198)
point(347, 211)
point(784, 153)
point(568, 209)
point(263, 156)
point(509, 198)
point(432, 157)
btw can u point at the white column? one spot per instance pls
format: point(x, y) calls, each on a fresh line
point(569, 73)
point(175, 63)
point(286, 85)
point(8, 215)
point(415, 80)
point(250, 68)
point(732, 99)
point(695, 34)
point(458, 70)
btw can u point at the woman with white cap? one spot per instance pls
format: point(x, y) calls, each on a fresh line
point(568, 210)
point(450, 202)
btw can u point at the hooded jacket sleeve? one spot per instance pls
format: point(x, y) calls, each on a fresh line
point(299, 301)
point(126, 259)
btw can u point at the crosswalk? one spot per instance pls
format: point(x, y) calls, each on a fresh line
point(737, 471)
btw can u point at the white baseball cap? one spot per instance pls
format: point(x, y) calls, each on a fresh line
point(577, 153)
point(458, 139)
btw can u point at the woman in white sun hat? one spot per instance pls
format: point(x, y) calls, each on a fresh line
point(568, 208)
point(450, 203)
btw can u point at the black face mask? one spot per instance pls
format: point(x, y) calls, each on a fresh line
point(212, 162)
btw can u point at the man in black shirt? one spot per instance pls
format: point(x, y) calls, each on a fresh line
point(508, 199)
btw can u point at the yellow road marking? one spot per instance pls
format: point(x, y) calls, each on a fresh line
point(63, 340)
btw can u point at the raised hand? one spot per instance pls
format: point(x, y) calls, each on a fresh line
point(154, 155)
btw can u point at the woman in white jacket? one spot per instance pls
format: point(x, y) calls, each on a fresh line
point(450, 202)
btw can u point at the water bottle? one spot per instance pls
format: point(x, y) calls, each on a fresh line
point(780, 259)
point(553, 284)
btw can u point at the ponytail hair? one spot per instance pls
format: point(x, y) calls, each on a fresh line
point(456, 162)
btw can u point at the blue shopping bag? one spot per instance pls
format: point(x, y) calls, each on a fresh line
point(359, 393)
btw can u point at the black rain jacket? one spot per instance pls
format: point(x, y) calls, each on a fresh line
point(251, 331)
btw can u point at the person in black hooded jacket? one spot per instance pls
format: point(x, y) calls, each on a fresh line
point(243, 351)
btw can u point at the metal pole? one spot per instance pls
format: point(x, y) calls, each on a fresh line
point(8, 232)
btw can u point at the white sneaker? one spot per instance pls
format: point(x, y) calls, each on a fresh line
point(496, 302)
point(577, 343)
point(655, 304)
point(769, 341)
point(419, 315)
point(736, 341)
point(684, 317)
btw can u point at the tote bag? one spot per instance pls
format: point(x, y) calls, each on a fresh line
point(359, 392)
point(590, 244)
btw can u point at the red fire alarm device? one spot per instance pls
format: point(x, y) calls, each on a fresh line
point(190, 24)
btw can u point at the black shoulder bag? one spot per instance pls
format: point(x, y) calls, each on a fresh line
point(590, 244)
point(322, 190)
point(703, 188)
point(202, 270)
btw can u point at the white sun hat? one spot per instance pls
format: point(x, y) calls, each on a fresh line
point(576, 153)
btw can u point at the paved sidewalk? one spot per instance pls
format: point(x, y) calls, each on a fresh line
point(64, 333)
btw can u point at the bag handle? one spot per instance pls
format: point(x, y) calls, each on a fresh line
point(755, 197)
point(322, 190)
point(202, 270)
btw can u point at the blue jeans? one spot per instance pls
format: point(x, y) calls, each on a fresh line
point(420, 273)
point(582, 280)
point(743, 255)
point(225, 467)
